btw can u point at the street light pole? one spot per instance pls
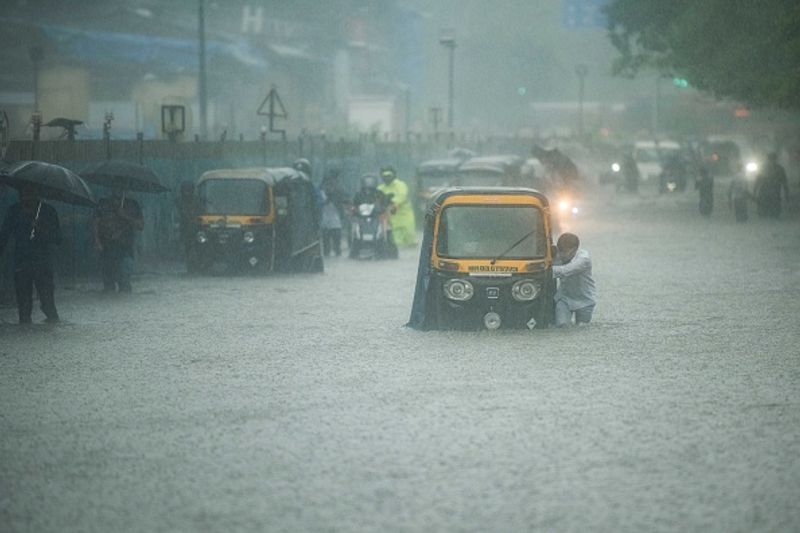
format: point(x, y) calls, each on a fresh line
point(655, 118)
point(581, 71)
point(36, 54)
point(448, 41)
point(202, 94)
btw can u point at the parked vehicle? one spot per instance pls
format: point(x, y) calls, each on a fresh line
point(257, 219)
point(434, 175)
point(491, 171)
point(486, 260)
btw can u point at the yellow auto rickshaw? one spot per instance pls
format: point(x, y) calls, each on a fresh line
point(486, 261)
point(257, 219)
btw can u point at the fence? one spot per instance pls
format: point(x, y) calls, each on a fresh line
point(75, 260)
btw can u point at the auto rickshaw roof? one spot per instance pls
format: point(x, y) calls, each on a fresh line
point(495, 163)
point(270, 176)
point(439, 166)
point(443, 194)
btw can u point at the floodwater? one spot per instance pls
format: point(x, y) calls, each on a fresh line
point(301, 403)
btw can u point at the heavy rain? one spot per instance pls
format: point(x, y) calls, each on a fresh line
point(399, 265)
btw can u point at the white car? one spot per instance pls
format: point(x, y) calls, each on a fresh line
point(650, 156)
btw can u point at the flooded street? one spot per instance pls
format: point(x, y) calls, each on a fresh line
point(300, 402)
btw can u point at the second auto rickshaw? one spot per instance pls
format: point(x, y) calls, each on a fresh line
point(486, 261)
point(259, 219)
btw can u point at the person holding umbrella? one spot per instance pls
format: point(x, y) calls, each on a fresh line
point(35, 228)
point(115, 222)
point(117, 218)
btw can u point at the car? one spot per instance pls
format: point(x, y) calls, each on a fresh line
point(651, 155)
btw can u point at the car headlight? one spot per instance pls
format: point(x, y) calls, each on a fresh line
point(248, 237)
point(615, 167)
point(525, 290)
point(459, 290)
point(751, 167)
point(201, 237)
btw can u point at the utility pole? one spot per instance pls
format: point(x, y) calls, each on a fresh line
point(36, 54)
point(201, 29)
point(656, 108)
point(448, 41)
point(581, 71)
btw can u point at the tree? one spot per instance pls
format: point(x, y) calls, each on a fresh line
point(741, 49)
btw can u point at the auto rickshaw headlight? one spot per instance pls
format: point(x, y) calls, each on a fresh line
point(248, 237)
point(201, 237)
point(525, 290)
point(459, 290)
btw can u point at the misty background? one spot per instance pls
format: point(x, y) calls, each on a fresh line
point(339, 67)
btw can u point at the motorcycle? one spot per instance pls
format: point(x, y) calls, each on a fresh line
point(370, 236)
point(673, 178)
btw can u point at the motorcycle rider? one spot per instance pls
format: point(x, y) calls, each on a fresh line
point(369, 193)
point(674, 169)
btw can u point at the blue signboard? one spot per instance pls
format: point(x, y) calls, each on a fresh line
point(583, 14)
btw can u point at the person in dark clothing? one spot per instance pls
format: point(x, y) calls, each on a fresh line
point(115, 221)
point(630, 173)
point(369, 193)
point(35, 228)
point(768, 188)
point(705, 185)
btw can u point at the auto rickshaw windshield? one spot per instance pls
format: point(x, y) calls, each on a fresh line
point(472, 232)
point(233, 197)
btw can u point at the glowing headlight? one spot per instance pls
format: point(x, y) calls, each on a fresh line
point(458, 289)
point(201, 237)
point(615, 167)
point(248, 237)
point(564, 205)
point(575, 210)
point(751, 167)
point(525, 290)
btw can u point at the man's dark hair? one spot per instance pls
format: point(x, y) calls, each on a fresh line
point(568, 240)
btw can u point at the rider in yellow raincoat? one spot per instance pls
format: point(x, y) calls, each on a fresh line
point(401, 217)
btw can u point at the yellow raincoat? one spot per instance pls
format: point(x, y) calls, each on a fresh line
point(402, 220)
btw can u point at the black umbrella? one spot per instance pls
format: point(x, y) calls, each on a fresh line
point(65, 123)
point(50, 181)
point(129, 176)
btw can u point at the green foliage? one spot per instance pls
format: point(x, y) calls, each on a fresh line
point(742, 49)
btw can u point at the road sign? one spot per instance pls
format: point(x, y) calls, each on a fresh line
point(583, 14)
point(276, 110)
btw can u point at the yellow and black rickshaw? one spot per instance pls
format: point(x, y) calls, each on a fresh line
point(257, 219)
point(486, 261)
